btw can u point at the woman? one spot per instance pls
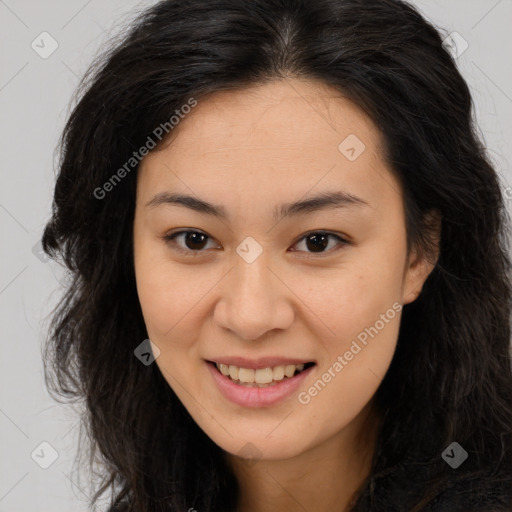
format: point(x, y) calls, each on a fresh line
point(290, 287)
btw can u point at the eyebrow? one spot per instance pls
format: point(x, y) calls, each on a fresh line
point(323, 201)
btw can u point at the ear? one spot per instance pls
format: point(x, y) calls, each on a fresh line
point(421, 261)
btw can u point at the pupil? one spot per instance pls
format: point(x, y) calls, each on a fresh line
point(317, 247)
point(190, 239)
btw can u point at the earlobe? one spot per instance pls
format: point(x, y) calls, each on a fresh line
point(422, 261)
point(412, 296)
point(417, 274)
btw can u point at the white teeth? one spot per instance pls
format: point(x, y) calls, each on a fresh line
point(233, 372)
point(246, 375)
point(262, 377)
point(289, 370)
point(278, 373)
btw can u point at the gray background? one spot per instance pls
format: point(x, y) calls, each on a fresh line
point(35, 96)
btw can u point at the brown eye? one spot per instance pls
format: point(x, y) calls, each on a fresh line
point(318, 242)
point(193, 241)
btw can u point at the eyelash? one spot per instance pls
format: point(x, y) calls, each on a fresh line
point(170, 240)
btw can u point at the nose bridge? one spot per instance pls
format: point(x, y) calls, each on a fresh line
point(253, 300)
point(254, 284)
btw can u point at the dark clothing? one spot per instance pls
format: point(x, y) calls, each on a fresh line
point(454, 500)
point(391, 494)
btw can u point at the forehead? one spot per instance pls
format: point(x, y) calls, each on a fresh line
point(271, 142)
point(286, 114)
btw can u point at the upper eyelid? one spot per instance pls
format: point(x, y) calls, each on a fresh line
point(342, 239)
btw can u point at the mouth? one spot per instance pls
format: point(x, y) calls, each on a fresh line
point(261, 377)
point(259, 387)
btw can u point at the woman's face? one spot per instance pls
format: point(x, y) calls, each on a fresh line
point(266, 285)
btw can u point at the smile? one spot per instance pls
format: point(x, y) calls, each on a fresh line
point(261, 377)
point(258, 387)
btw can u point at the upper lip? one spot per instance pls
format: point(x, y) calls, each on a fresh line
point(262, 362)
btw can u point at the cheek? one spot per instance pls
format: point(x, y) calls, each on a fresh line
point(174, 303)
point(158, 288)
point(168, 309)
point(166, 291)
point(362, 309)
point(355, 361)
point(157, 298)
point(356, 297)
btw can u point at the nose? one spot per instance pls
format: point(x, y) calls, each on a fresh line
point(254, 300)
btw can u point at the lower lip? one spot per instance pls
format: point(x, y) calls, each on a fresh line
point(254, 396)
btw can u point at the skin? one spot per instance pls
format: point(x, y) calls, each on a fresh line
point(250, 150)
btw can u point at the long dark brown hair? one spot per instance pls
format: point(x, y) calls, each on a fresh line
point(450, 379)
